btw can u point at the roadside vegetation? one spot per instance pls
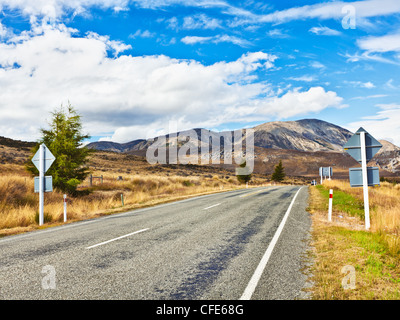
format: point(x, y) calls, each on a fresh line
point(344, 250)
point(140, 185)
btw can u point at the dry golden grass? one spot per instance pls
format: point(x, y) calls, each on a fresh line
point(384, 204)
point(373, 254)
point(153, 185)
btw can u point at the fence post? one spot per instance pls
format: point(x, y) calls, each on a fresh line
point(90, 180)
point(122, 199)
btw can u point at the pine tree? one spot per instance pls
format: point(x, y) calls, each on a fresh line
point(279, 173)
point(64, 140)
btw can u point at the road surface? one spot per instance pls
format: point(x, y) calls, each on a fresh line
point(207, 247)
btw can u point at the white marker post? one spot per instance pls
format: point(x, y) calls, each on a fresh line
point(365, 179)
point(65, 208)
point(330, 205)
point(41, 184)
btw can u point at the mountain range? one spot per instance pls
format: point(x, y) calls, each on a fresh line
point(302, 135)
point(284, 138)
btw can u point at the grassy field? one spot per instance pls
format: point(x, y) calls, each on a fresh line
point(142, 185)
point(351, 263)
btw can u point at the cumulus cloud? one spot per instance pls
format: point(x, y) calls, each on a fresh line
point(127, 97)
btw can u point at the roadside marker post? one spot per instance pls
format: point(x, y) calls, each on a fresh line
point(65, 208)
point(330, 205)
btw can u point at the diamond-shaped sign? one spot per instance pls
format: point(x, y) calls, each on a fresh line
point(48, 159)
point(353, 146)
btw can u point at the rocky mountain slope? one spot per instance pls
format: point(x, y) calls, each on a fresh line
point(307, 135)
point(301, 135)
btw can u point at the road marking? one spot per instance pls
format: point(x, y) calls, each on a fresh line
point(124, 236)
point(212, 206)
point(251, 193)
point(248, 292)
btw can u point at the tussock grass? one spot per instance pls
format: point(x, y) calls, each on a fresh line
point(374, 254)
point(19, 204)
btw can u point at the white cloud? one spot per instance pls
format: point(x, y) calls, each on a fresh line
point(333, 10)
point(142, 34)
point(386, 43)
point(384, 125)
point(325, 31)
point(195, 39)
point(360, 84)
point(134, 95)
point(317, 65)
point(295, 103)
point(54, 9)
point(277, 33)
point(305, 78)
point(200, 21)
point(217, 39)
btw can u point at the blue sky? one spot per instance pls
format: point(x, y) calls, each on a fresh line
point(133, 67)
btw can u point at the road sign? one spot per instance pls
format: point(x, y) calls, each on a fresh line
point(362, 147)
point(48, 184)
point(48, 158)
point(356, 179)
point(42, 160)
point(325, 171)
point(353, 146)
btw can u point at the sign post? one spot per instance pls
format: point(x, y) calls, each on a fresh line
point(325, 172)
point(365, 179)
point(43, 159)
point(362, 147)
point(41, 184)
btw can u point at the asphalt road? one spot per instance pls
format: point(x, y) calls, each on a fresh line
point(207, 247)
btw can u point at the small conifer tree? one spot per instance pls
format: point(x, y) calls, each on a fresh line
point(279, 173)
point(64, 139)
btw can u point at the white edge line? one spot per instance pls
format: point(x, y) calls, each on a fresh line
point(212, 206)
point(124, 236)
point(248, 292)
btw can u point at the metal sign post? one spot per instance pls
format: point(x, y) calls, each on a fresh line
point(41, 185)
point(43, 160)
point(325, 172)
point(365, 179)
point(362, 147)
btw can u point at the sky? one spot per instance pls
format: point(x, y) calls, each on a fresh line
point(136, 69)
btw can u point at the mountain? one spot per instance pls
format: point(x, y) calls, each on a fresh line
point(304, 145)
point(302, 135)
point(118, 147)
